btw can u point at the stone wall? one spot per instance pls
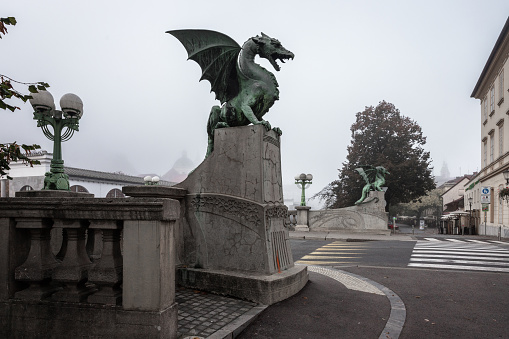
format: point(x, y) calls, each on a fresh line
point(110, 273)
point(370, 216)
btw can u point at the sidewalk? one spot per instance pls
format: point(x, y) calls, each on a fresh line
point(352, 236)
point(206, 315)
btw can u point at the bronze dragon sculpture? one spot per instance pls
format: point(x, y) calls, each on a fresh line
point(374, 178)
point(245, 89)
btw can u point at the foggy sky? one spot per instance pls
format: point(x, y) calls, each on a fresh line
point(144, 106)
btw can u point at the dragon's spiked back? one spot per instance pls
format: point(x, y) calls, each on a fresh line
point(216, 53)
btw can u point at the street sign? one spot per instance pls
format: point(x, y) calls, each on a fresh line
point(485, 190)
point(485, 207)
point(485, 199)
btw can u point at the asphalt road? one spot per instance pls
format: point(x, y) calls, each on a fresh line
point(453, 298)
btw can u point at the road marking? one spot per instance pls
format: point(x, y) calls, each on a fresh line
point(431, 239)
point(456, 257)
point(454, 240)
point(334, 253)
point(500, 242)
point(460, 255)
point(460, 251)
point(454, 261)
point(315, 262)
point(477, 241)
point(460, 267)
point(339, 249)
point(325, 257)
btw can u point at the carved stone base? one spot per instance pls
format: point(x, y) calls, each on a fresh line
point(74, 293)
point(107, 295)
point(37, 291)
point(301, 228)
point(263, 289)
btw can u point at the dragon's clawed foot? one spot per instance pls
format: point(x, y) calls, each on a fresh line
point(278, 131)
point(222, 125)
point(266, 124)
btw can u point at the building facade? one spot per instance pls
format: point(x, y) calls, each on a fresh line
point(101, 184)
point(492, 91)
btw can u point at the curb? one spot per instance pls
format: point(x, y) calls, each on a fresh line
point(234, 328)
point(397, 317)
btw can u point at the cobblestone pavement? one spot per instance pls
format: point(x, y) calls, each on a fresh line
point(202, 314)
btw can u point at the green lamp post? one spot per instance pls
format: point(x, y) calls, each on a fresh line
point(303, 181)
point(64, 122)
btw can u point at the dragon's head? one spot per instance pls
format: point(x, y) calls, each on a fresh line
point(272, 50)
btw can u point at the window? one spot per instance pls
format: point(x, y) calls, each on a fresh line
point(485, 149)
point(26, 188)
point(501, 87)
point(500, 140)
point(78, 188)
point(492, 99)
point(492, 146)
point(115, 193)
point(485, 108)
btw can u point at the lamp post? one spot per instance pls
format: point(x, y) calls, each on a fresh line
point(149, 181)
point(470, 199)
point(303, 181)
point(64, 122)
point(506, 176)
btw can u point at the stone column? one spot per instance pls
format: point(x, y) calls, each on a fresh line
point(302, 218)
point(149, 265)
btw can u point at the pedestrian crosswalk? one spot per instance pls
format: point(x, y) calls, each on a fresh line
point(459, 254)
point(335, 253)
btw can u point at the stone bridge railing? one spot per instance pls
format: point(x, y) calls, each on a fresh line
point(85, 267)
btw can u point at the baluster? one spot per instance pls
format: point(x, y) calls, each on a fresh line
point(107, 273)
point(94, 243)
point(40, 263)
point(73, 271)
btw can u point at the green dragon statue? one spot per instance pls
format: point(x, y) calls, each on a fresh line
point(245, 89)
point(374, 177)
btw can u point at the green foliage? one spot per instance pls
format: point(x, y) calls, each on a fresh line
point(15, 152)
point(381, 136)
point(6, 21)
point(430, 201)
point(7, 91)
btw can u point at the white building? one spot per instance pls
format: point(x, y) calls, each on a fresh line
point(101, 184)
point(492, 91)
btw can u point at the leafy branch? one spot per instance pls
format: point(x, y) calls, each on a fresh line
point(13, 151)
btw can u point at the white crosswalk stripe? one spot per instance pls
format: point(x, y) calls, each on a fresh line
point(459, 255)
point(466, 241)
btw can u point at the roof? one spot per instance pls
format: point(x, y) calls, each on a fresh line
point(497, 46)
point(79, 173)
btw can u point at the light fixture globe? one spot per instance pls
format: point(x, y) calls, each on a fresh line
point(302, 176)
point(147, 178)
point(42, 101)
point(155, 179)
point(309, 177)
point(71, 105)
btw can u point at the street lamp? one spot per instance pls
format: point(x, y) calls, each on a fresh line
point(472, 226)
point(506, 176)
point(303, 181)
point(68, 118)
point(149, 181)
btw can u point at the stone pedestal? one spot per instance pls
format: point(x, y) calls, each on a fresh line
point(366, 217)
point(234, 215)
point(302, 218)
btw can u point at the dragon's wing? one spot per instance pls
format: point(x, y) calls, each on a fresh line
point(216, 54)
point(367, 172)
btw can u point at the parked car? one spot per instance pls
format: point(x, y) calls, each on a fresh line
point(391, 226)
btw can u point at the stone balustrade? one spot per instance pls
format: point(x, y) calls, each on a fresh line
point(72, 266)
